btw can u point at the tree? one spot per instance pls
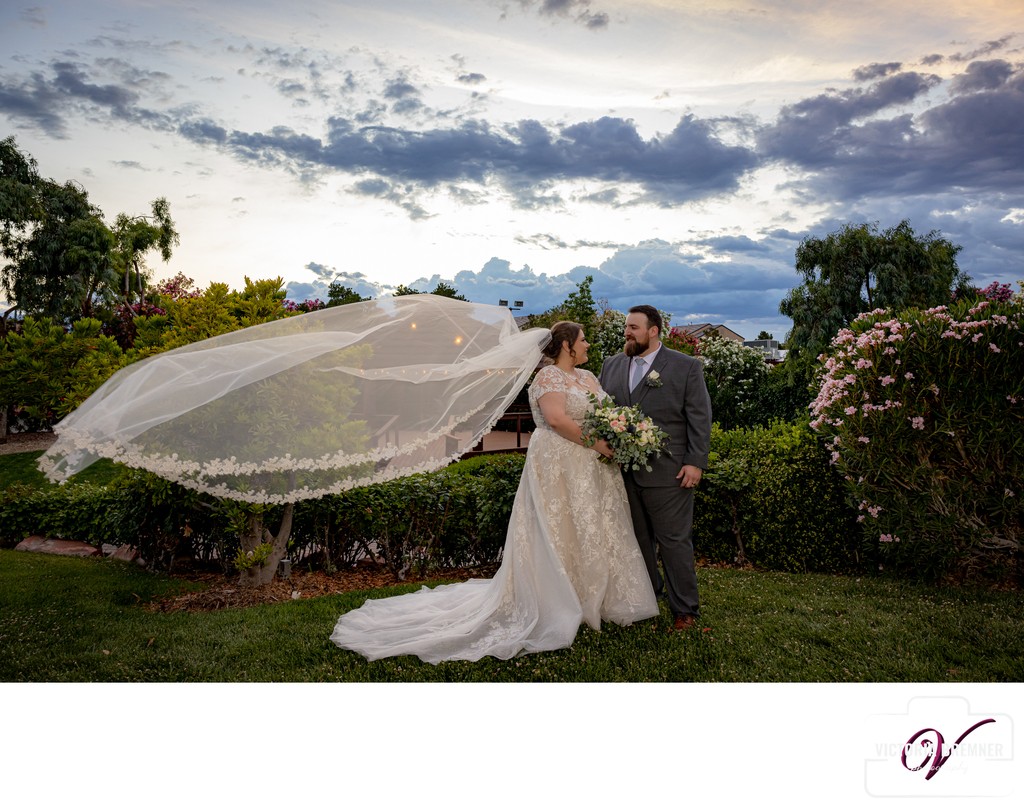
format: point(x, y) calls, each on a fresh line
point(338, 295)
point(447, 290)
point(57, 251)
point(60, 258)
point(858, 269)
point(442, 288)
point(578, 307)
point(135, 236)
point(765, 335)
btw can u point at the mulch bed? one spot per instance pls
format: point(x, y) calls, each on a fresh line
point(224, 592)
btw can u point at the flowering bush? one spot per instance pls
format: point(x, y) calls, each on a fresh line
point(733, 373)
point(924, 414)
point(632, 435)
point(314, 304)
point(178, 288)
point(679, 340)
point(997, 292)
point(123, 327)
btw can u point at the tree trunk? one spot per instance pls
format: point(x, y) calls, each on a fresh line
point(3, 423)
point(258, 534)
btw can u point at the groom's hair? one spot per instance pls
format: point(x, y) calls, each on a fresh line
point(653, 317)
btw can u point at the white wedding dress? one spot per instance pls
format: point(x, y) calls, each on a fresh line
point(570, 557)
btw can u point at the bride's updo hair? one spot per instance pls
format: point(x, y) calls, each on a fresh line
point(563, 331)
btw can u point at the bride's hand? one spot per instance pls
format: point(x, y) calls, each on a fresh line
point(604, 448)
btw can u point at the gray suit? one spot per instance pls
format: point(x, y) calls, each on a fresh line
point(662, 511)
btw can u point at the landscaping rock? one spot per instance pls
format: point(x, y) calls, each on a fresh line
point(125, 553)
point(40, 544)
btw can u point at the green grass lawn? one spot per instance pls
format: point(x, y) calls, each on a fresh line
point(21, 468)
point(82, 620)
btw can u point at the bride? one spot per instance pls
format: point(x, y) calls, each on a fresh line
point(570, 554)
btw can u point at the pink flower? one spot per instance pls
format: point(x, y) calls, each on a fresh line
point(864, 363)
point(994, 348)
point(886, 380)
point(850, 410)
point(908, 376)
point(864, 439)
point(917, 422)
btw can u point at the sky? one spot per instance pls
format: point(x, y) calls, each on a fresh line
point(677, 151)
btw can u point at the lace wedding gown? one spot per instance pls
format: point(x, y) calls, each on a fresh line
point(570, 557)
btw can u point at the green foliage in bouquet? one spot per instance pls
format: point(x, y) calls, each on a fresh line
point(924, 414)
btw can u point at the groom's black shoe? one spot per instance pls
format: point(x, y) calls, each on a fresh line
point(684, 622)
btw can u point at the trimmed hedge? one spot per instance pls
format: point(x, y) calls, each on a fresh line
point(770, 490)
point(450, 518)
point(771, 498)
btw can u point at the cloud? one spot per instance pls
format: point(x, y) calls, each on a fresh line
point(526, 159)
point(34, 101)
point(318, 289)
point(988, 48)
point(979, 76)
point(576, 10)
point(876, 70)
point(849, 149)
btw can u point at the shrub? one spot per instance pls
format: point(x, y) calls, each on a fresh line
point(46, 371)
point(770, 498)
point(784, 394)
point(678, 339)
point(925, 415)
point(733, 373)
point(78, 513)
point(426, 522)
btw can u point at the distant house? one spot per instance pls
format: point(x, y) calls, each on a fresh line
point(770, 347)
point(703, 329)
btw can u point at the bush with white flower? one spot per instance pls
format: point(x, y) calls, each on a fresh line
point(924, 415)
point(733, 373)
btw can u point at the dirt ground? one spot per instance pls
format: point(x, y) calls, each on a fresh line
point(27, 442)
point(223, 592)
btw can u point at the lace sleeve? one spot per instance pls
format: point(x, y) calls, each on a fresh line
point(548, 380)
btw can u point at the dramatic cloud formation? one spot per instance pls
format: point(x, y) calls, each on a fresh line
point(548, 135)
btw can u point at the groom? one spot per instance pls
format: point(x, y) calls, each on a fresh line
point(669, 388)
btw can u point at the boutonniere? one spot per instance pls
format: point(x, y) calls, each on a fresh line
point(653, 379)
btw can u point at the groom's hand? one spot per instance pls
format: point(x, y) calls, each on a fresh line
point(689, 476)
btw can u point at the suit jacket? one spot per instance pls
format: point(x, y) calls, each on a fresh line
point(681, 406)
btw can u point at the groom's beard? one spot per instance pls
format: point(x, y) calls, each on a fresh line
point(635, 347)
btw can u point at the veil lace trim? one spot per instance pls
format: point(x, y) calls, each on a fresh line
point(310, 405)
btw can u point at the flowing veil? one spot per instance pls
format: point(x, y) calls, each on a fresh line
point(309, 405)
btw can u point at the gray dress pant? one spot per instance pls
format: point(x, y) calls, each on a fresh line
point(663, 520)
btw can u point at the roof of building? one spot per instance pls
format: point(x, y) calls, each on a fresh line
point(700, 329)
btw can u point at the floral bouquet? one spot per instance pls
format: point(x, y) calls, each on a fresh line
point(631, 434)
